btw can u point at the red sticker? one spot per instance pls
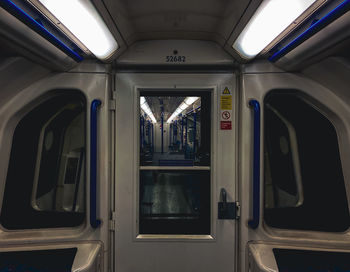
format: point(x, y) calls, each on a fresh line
point(226, 115)
point(226, 125)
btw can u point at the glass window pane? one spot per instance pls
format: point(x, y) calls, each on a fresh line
point(174, 202)
point(53, 260)
point(45, 185)
point(175, 129)
point(294, 260)
point(304, 182)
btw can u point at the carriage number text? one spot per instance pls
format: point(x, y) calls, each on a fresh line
point(175, 59)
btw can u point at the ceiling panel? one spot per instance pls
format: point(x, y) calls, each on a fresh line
point(181, 19)
point(170, 104)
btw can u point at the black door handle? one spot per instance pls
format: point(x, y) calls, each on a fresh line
point(226, 210)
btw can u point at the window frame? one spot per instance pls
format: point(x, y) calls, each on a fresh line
point(339, 125)
point(212, 168)
point(11, 126)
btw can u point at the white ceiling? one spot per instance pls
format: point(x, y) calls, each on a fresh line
point(213, 20)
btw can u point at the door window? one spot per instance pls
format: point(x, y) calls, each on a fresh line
point(174, 188)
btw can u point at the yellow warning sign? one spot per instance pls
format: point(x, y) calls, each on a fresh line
point(226, 102)
point(226, 91)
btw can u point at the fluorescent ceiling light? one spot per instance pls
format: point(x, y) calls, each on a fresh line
point(184, 105)
point(146, 109)
point(142, 100)
point(191, 99)
point(83, 20)
point(270, 19)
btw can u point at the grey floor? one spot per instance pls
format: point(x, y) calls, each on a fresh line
point(166, 196)
point(166, 156)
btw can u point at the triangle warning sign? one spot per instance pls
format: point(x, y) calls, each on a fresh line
point(226, 91)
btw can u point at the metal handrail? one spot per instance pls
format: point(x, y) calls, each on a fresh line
point(94, 222)
point(254, 222)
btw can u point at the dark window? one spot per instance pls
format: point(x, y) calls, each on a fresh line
point(291, 260)
point(304, 183)
point(174, 202)
point(57, 260)
point(45, 185)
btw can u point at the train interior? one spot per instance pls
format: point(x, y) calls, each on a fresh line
point(140, 136)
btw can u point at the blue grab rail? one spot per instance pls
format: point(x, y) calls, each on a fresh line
point(16, 11)
point(314, 28)
point(94, 222)
point(254, 223)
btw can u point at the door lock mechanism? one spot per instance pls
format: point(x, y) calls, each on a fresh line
point(227, 210)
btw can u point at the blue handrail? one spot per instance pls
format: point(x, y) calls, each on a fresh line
point(94, 222)
point(254, 223)
point(20, 14)
point(314, 28)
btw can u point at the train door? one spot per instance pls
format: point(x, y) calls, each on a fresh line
point(48, 148)
point(301, 133)
point(175, 172)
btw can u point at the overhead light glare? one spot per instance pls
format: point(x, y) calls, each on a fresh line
point(184, 105)
point(147, 109)
point(270, 19)
point(142, 100)
point(83, 20)
point(191, 99)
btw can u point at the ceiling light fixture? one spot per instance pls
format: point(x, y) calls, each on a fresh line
point(146, 109)
point(85, 23)
point(184, 105)
point(270, 19)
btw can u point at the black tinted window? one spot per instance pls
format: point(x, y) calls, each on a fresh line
point(304, 183)
point(45, 185)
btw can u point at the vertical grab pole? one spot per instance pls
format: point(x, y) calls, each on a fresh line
point(254, 222)
point(170, 128)
point(182, 133)
point(141, 141)
point(143, 131)
point(149, 132)
point(152, 138)
point(194, 133)
point(186, 136)
point(94, 222)
point(162, 128)
point(175, 134)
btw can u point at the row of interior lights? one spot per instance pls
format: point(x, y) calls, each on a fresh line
point(269, 20)
point(146, 109)
point(184, 105)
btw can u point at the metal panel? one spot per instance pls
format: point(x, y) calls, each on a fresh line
point(261, 257)
point(201, 20)
point(32, 45)
point(257, 81)
point(89, 256)
point(172, 252)
point(15, 103)
point(189, 52)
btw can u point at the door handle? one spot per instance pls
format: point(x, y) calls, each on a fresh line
point(223, 197)
point(226, 210)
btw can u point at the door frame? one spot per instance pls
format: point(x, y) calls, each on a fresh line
point(224, 148)
point(212, 167)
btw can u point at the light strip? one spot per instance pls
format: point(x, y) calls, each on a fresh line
point(83, 20)
point(27, 19)
point(314, 28)
point(184, 105)
point(269, 20)
point(146, 109)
